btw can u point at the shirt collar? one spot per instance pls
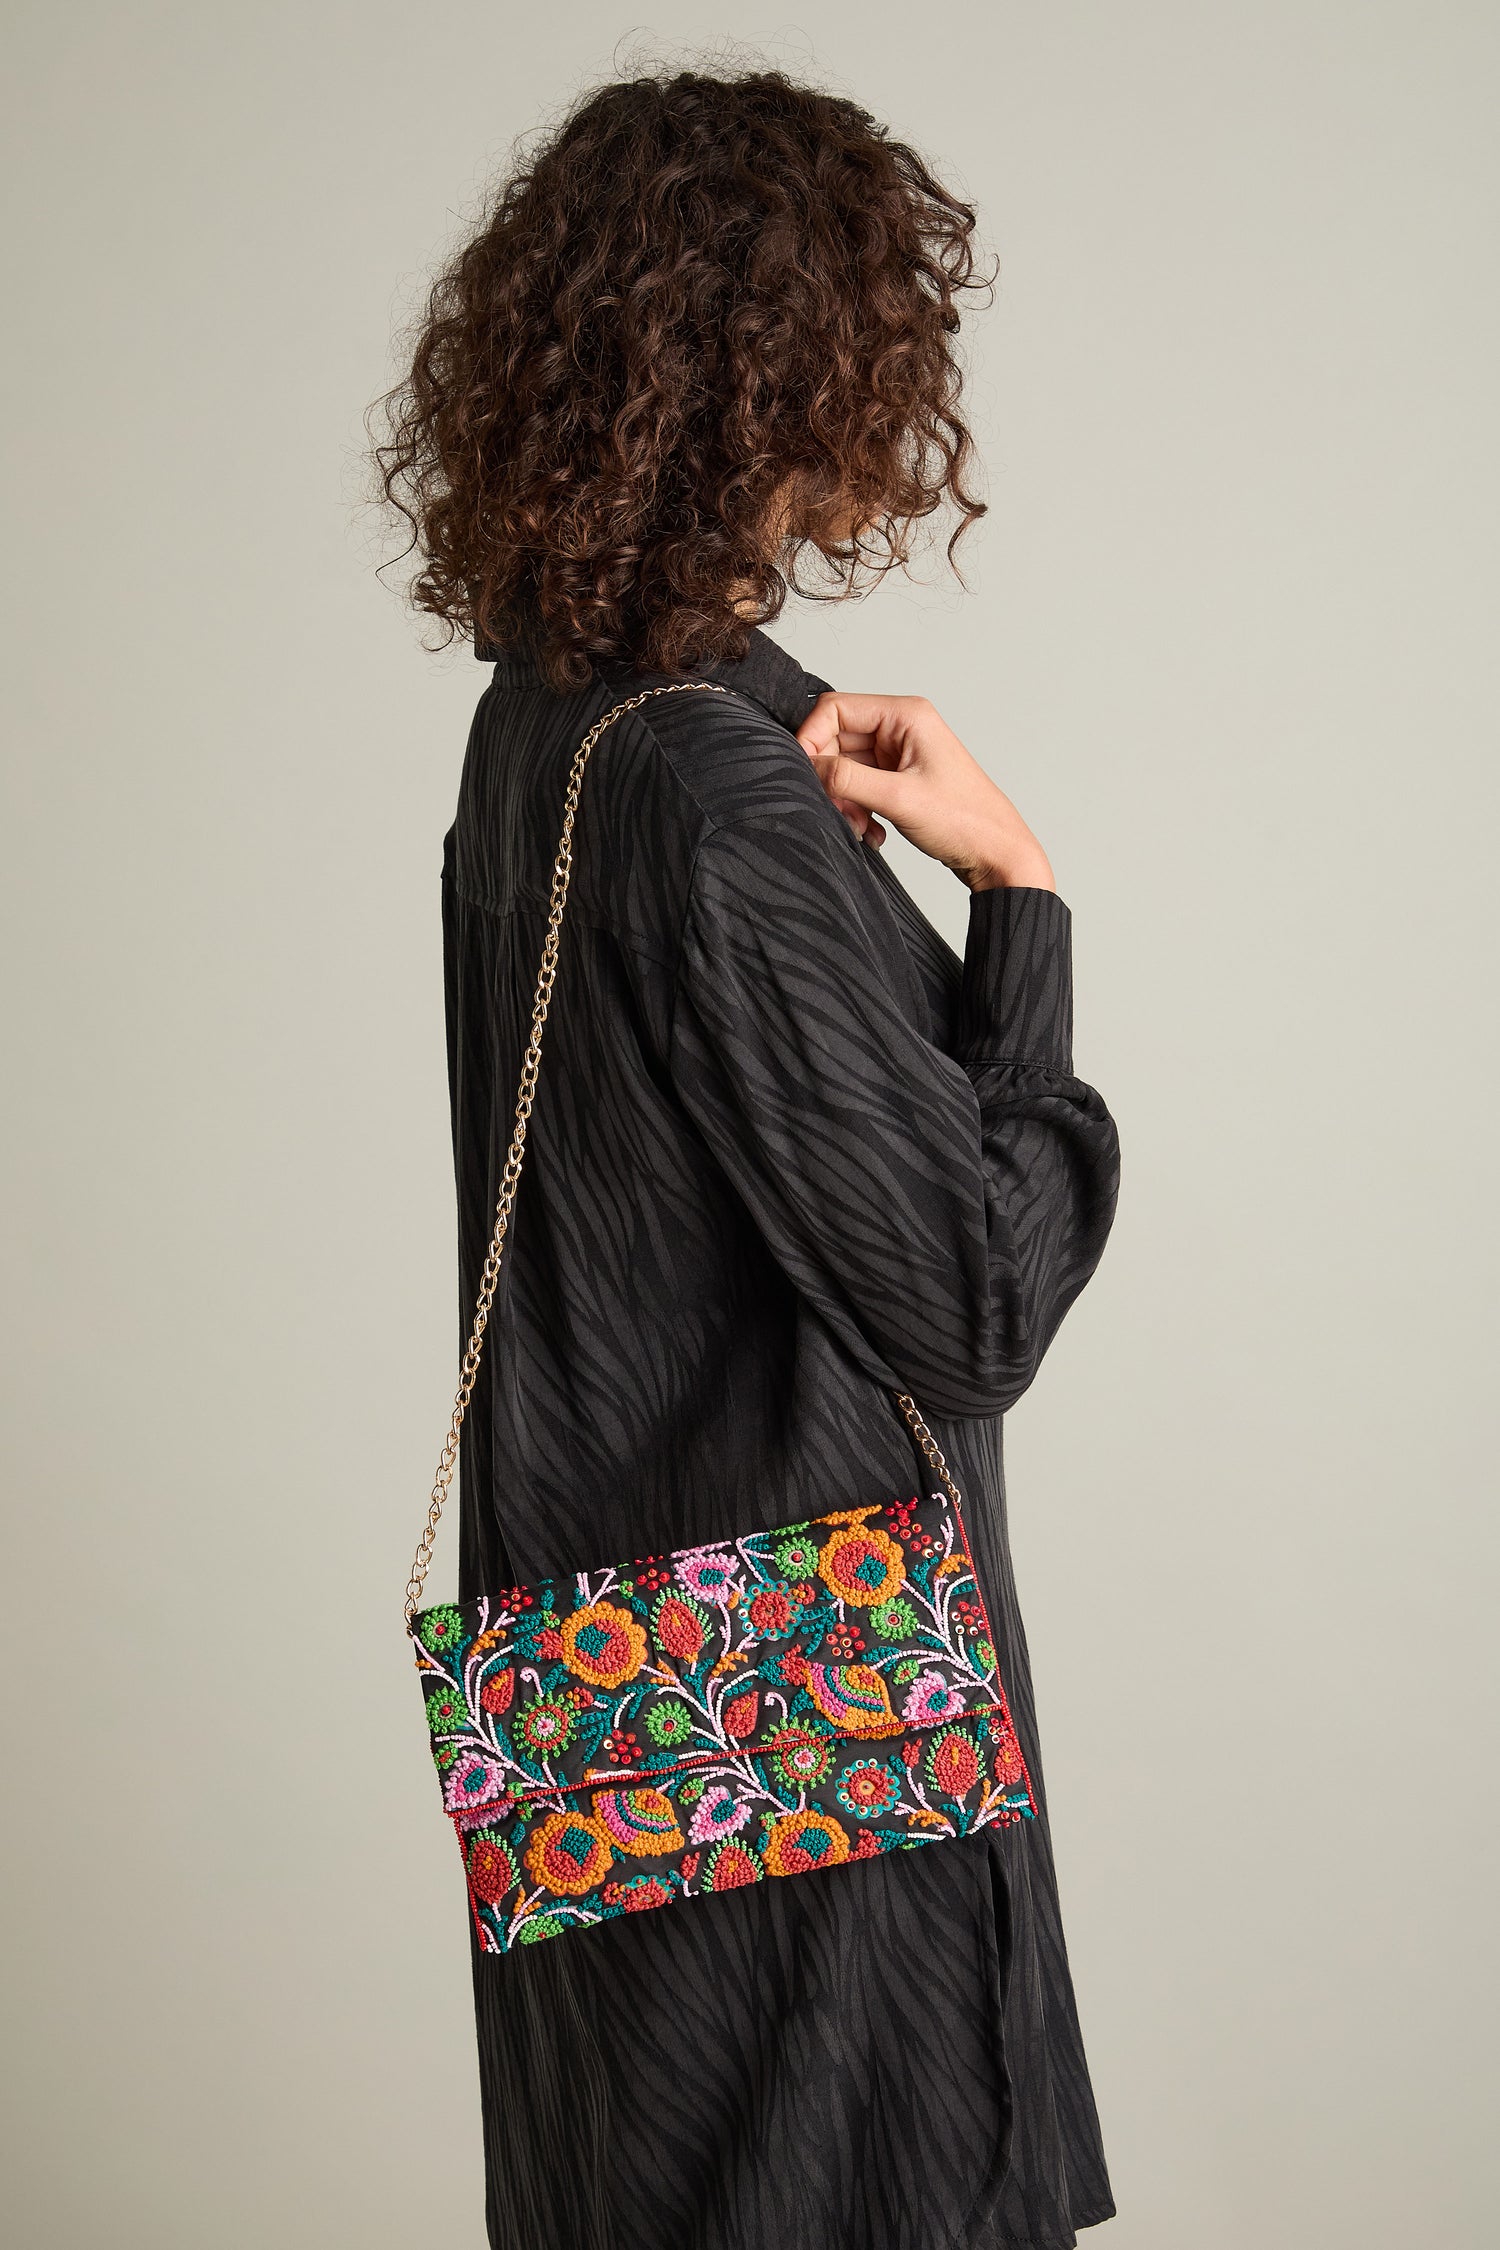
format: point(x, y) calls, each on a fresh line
point(766, 673)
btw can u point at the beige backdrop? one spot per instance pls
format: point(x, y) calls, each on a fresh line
point(1230, 643)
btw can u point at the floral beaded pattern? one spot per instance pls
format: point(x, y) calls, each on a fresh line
point(695, 1721)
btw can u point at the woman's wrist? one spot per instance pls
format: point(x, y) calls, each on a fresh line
point(1036, 876)
point(1013, 866)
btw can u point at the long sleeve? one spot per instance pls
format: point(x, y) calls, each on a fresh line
point(940, 1212)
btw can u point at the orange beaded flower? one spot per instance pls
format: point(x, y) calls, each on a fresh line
point(603, 1644)
point(864, 1566)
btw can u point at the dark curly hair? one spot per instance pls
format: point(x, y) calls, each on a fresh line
point(706, 328)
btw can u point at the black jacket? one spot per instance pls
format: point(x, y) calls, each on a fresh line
point(788, 1154)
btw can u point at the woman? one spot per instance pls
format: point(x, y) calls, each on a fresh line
point(788, 1155)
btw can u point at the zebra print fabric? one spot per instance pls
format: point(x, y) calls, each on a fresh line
point(788, 1154)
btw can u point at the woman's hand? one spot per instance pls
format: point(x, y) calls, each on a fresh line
point(891, 757)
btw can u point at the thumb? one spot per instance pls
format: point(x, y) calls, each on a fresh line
point(870, 787)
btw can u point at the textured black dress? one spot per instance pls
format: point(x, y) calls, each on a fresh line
point(788, 1154)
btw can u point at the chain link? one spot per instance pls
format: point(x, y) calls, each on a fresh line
point(562, 870)
point(930, 1447)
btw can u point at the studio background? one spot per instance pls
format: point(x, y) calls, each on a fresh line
point(1238, 587)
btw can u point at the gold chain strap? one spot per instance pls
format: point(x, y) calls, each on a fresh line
point(562, 870)
point(930, 1447)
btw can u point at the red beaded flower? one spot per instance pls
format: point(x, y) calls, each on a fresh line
point(680, 1627)
point(953, 1763)
point(771, 1612)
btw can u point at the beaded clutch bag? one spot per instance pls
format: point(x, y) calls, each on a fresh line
point(651, 1731)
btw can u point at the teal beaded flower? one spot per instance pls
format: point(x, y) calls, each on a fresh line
point(546, 1726)
point(801, 1753)
point(869, 1787)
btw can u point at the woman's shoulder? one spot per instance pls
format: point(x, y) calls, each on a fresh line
point(730, 761)
point(681, 785)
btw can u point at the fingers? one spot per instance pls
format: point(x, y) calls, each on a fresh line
point(821, 728)
point(873, 788)
point(856, 744)
point(870, 754)
point(875, 727)
point(862, 824)
point(837, 711)
point(893, 758)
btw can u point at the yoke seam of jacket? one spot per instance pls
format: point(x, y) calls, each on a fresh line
point(578, 917)
point(710, 827)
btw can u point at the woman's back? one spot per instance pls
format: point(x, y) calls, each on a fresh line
point(644, 1327)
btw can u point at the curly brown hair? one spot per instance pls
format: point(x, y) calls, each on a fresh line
point(709, 326)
